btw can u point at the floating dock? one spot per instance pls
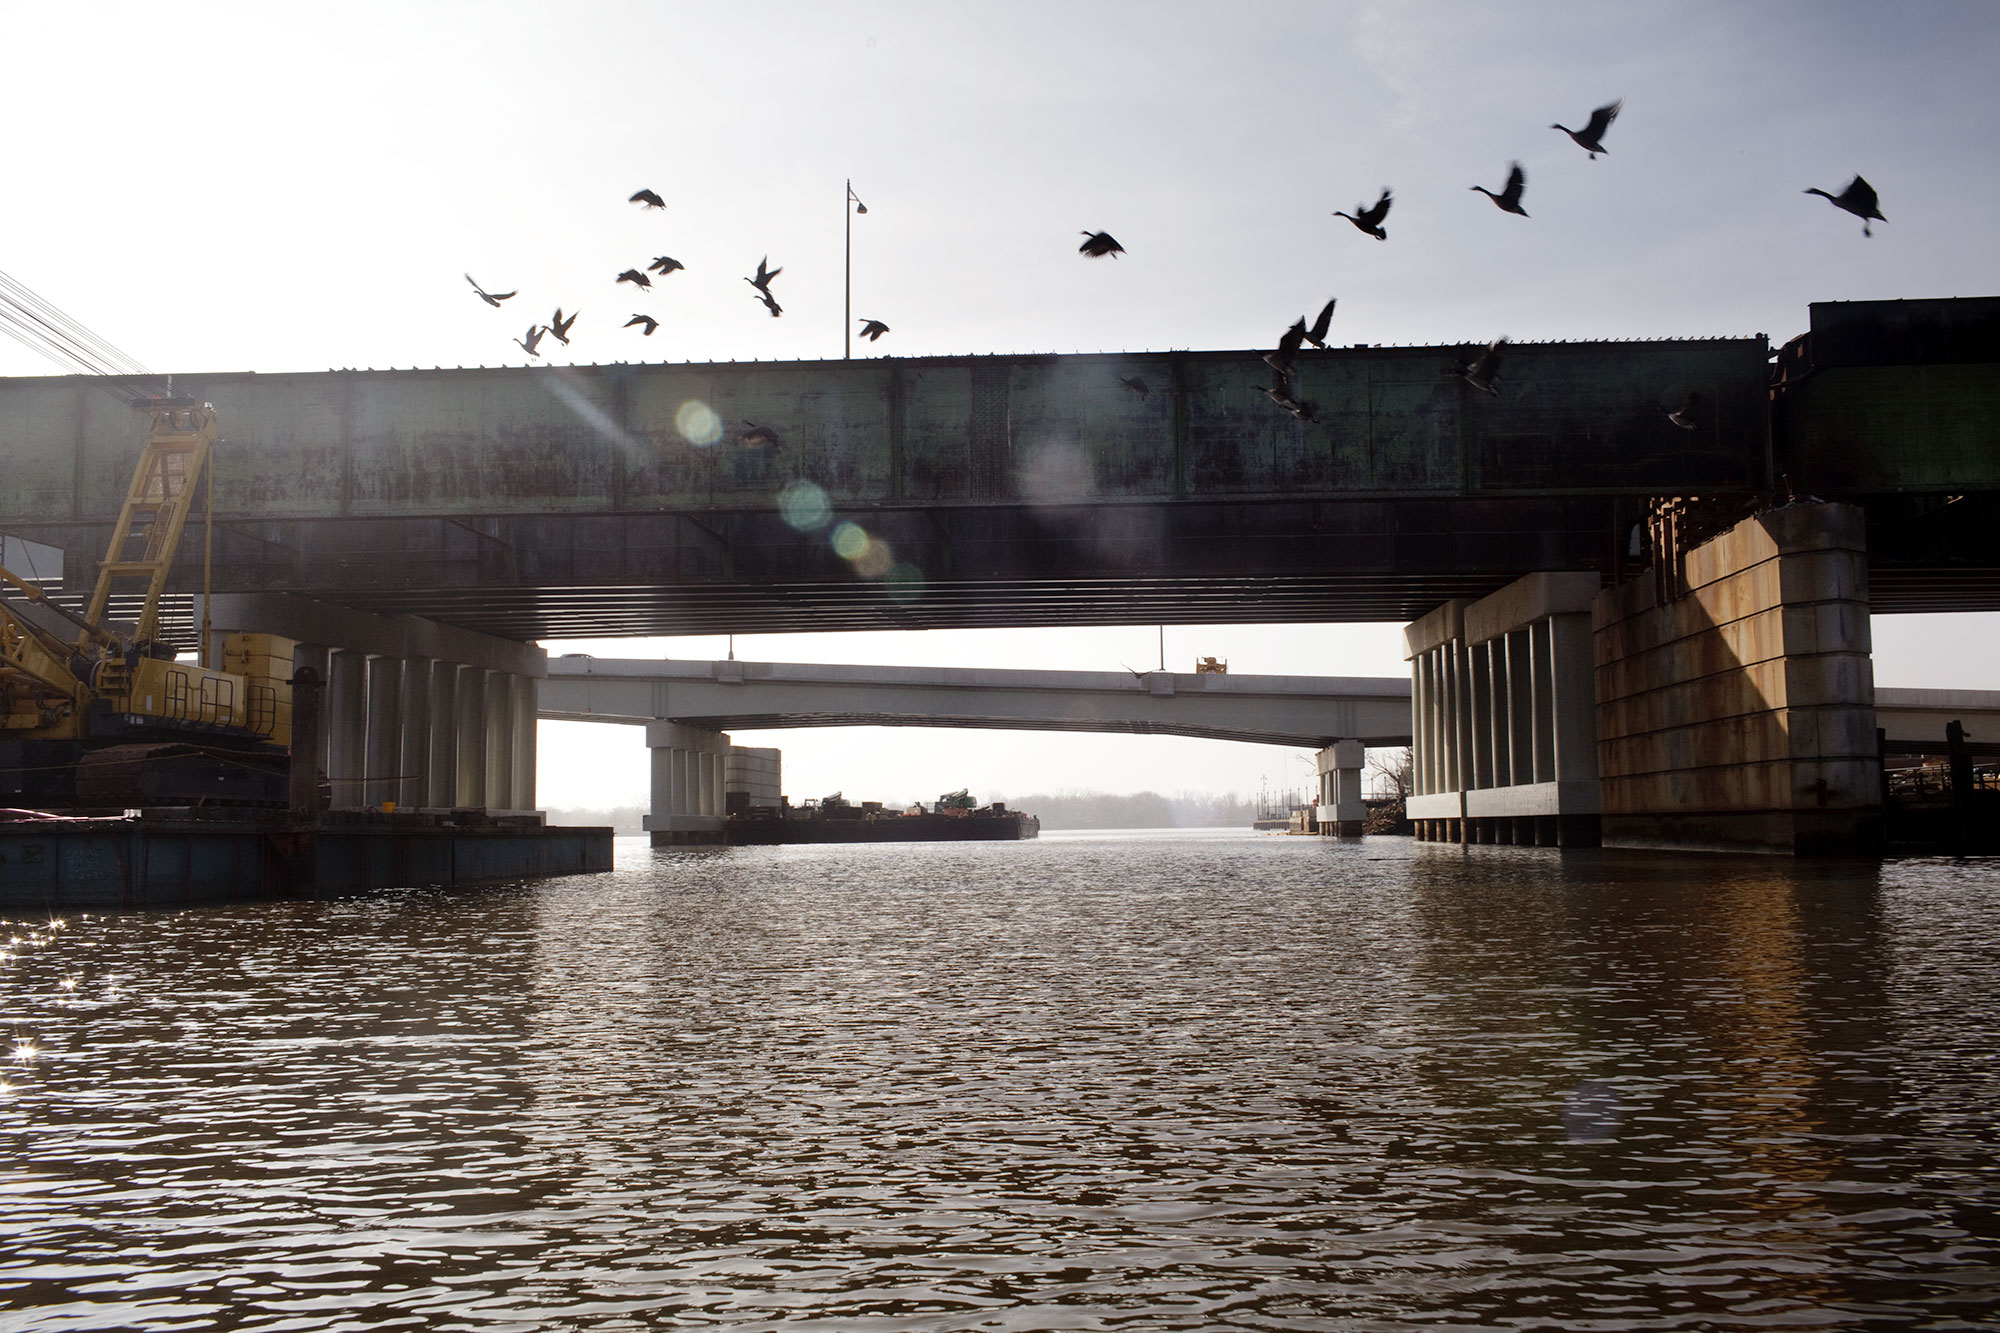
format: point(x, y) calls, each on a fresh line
point(179, 858)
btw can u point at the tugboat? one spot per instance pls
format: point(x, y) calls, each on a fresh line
point(953, 817)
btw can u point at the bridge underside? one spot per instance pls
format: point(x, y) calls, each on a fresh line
point(1298, 740)
point(566, 577)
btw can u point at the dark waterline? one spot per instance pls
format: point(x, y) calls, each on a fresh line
point(1138, 1081)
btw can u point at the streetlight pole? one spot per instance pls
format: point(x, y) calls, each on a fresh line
point(847, 329)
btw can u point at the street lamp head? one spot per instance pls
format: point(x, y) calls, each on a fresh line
point(860, 207)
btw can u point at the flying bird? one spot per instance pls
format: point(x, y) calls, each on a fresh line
point(664, 265)
point(1281, 357)
point(762, 282)
point(872, 329)
point(1135, 384)
point(1509, 199)
point(1370, 219)
point(1316, 335)
point(560, 326)
point(647, 320)
point(771, 304)
point(1481, 374)
point(1099, 244)
point(634, 276)
point(533, 340)
point(1591, 137)
point(1858, 198)
point(648, 198)
point(1280, 391)
point(756, 436)
point(491, 298)
point(1683, 416)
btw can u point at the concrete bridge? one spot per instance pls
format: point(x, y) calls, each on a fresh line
point(1036, 490)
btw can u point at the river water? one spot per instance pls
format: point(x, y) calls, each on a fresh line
point(1098, 1081)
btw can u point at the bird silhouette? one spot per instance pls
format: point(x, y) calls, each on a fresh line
point(1683, 416)
point(560, 326)
point(1281, 357)
point(491, 298)
point(533, 340)
point(1591, 137)
point(1280, 390)
point(647, 320)
point(635, 277)
point(771, 303)
point(757, 436)
point(1316, 335)
point(1858, 198)
point(1509, 199)
point(873, 329)
point(1370, 219)
point(1135, 384)
point(1099, 244)
point(1484, 372)
point(648, 198)
point(762, 282)
point(664, 265)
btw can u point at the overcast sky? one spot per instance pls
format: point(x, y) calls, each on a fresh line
point(273, 187)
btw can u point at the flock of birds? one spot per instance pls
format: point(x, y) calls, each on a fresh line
point(665, 266)
point(1481, 372)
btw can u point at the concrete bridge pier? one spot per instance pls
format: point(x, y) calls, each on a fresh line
point(1503, 717)
point(689, 781)
point(422, 714)
point(1341, 811)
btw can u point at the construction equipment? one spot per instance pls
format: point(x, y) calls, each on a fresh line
point(104, 715)
point(1210, 666)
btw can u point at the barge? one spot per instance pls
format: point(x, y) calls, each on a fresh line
point(954, 818)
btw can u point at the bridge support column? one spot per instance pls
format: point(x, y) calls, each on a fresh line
point(383, 752)
point(441, 789)
point(414, 742)
point(1503, 710)
point(1341, 810)
point(346, 722)
point(1736, 697)
point(470, 724)
point(688, 783)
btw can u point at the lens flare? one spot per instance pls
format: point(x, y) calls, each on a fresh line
point(698, 423)
point(805, 506)
point(876, 561)
point(849, 541)
point(905, 582)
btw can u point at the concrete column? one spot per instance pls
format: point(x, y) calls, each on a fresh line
point(498, 720)
point(688, 770)
point(1501, 709)
point(384, 750)
point(471, 723)
point(319, 657)
point(415, 708)
point(1419, 725)
point(525, 690)
point(1479, 711)
point(346, 725)
point(1521, 706)
point(442, 790)
point(1543, 689)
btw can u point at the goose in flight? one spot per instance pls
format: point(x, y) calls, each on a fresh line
point(758, 436)
point(873, 329)
point(491, 298)
point(636, 278)
point(1591, 137)
point(664, 265)
point(1136, 385)
point(1509, 199)
point(1281, 357)
point(648, 198)
point(771, 304)
point(1370, 219)
point(1316, 335)
point(762, 282)
point(646, 320)
point(533, 340)
point(1683, 416)
point(1098, 244)
point(1484, 372)
point(1858, 198)
point(560, 326)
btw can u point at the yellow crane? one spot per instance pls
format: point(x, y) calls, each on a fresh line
point(99, 714)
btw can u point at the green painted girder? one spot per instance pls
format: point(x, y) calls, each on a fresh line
point(1571, 419)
